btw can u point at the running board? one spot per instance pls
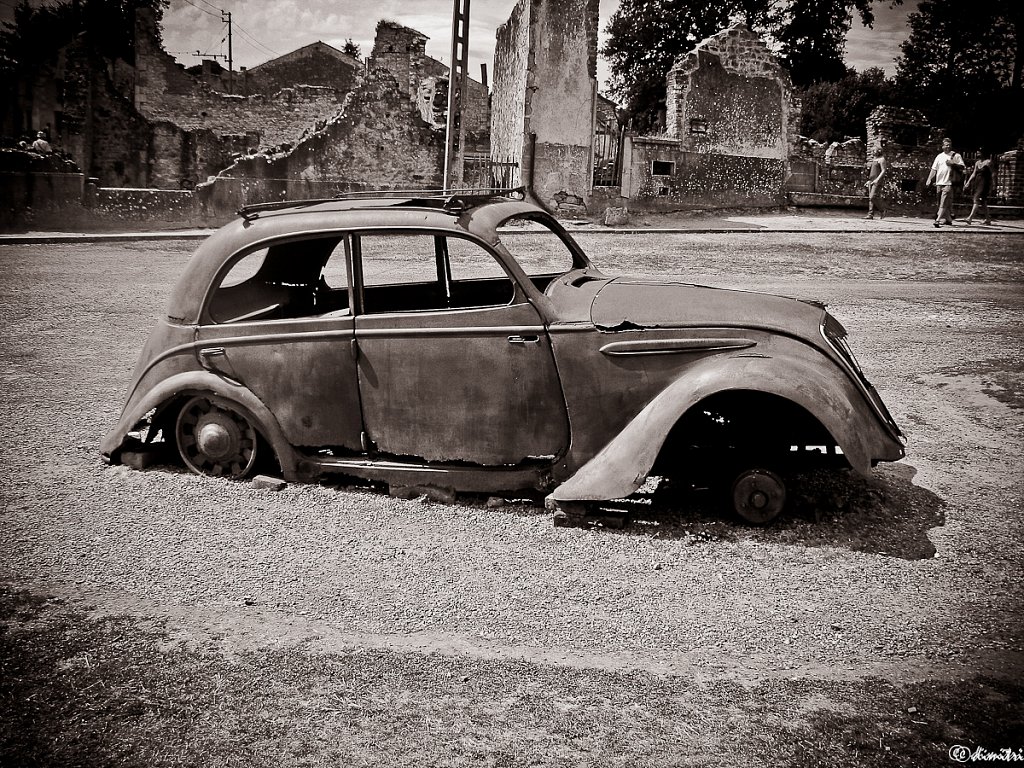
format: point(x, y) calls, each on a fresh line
point(458, 478)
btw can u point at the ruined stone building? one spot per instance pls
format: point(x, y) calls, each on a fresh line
point(731, 128)
point(316, 64)
point(152, 123)
point(544, 100)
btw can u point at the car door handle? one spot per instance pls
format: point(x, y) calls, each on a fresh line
point(517, 339)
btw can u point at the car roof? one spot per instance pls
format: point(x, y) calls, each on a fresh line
point(476, 214)
point(453, 201)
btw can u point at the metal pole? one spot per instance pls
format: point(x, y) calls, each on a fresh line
point(457, 77)
point(226, 17)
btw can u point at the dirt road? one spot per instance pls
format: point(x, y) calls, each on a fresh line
point(878, 623)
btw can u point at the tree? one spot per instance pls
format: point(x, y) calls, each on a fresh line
point(645, 37)
point(961, 66)
point(833, 111)
point(813, 36)
point(37, 33)
point(352, 49)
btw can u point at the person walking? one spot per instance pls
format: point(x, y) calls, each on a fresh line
point(980, 186)
point(876, 176)
point(946, 165)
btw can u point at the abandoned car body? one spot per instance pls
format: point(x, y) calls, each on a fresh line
point(469, 344)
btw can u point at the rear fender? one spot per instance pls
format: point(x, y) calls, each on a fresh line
point(803, 376)
point(198, 382)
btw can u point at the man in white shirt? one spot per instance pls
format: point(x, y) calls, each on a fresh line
point(946, 171)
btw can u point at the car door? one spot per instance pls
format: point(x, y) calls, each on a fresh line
point(280, 324)
point(452, 367)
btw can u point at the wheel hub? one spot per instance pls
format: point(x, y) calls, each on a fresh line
point(758, 495)
point(214, 439)
point(216, 436)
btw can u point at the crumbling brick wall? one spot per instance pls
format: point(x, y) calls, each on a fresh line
point(165, 92)
point(379, 141)
point(402, 52)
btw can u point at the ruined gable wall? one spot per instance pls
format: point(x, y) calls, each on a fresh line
point(731, 96)
point(402, 52)
point(316, 64)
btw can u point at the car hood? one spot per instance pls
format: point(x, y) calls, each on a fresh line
point(628, 303)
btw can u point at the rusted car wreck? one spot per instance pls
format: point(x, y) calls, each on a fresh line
point(468, 343)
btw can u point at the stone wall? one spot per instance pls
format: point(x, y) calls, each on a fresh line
point(379, 141)
point(731, 96)
point(910, 145)
point(660, 175)
point(102, 131)
point(1010, 176)
point(551, 105)
point(32, 181)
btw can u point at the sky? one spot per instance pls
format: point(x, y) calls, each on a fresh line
point(265, 29)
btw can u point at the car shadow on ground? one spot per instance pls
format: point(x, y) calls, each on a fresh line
point(885, 514)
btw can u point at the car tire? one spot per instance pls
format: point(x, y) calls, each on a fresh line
point(215, 439)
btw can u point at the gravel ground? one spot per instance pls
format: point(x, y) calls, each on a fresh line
point(913, 574)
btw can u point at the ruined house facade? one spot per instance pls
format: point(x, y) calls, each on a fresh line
point(544, 100)
point(731, 128)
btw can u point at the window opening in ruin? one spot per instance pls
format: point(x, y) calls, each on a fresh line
point(698, 127)
point(663, 168)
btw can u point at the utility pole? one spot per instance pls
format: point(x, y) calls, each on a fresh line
point(457, 79)
point(225, 16)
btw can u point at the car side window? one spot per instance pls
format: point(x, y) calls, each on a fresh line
point(285, 280)
point(541, 252)
point(424, 271)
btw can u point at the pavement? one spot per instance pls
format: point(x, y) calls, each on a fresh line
point(695, 223)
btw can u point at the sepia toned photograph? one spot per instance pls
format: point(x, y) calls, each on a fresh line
point(554, 383)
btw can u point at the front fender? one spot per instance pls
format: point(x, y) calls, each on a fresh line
point(199, 382)
point(802, 375)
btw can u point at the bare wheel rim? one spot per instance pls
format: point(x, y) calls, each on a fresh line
point(758, 495)
point(215, 440)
